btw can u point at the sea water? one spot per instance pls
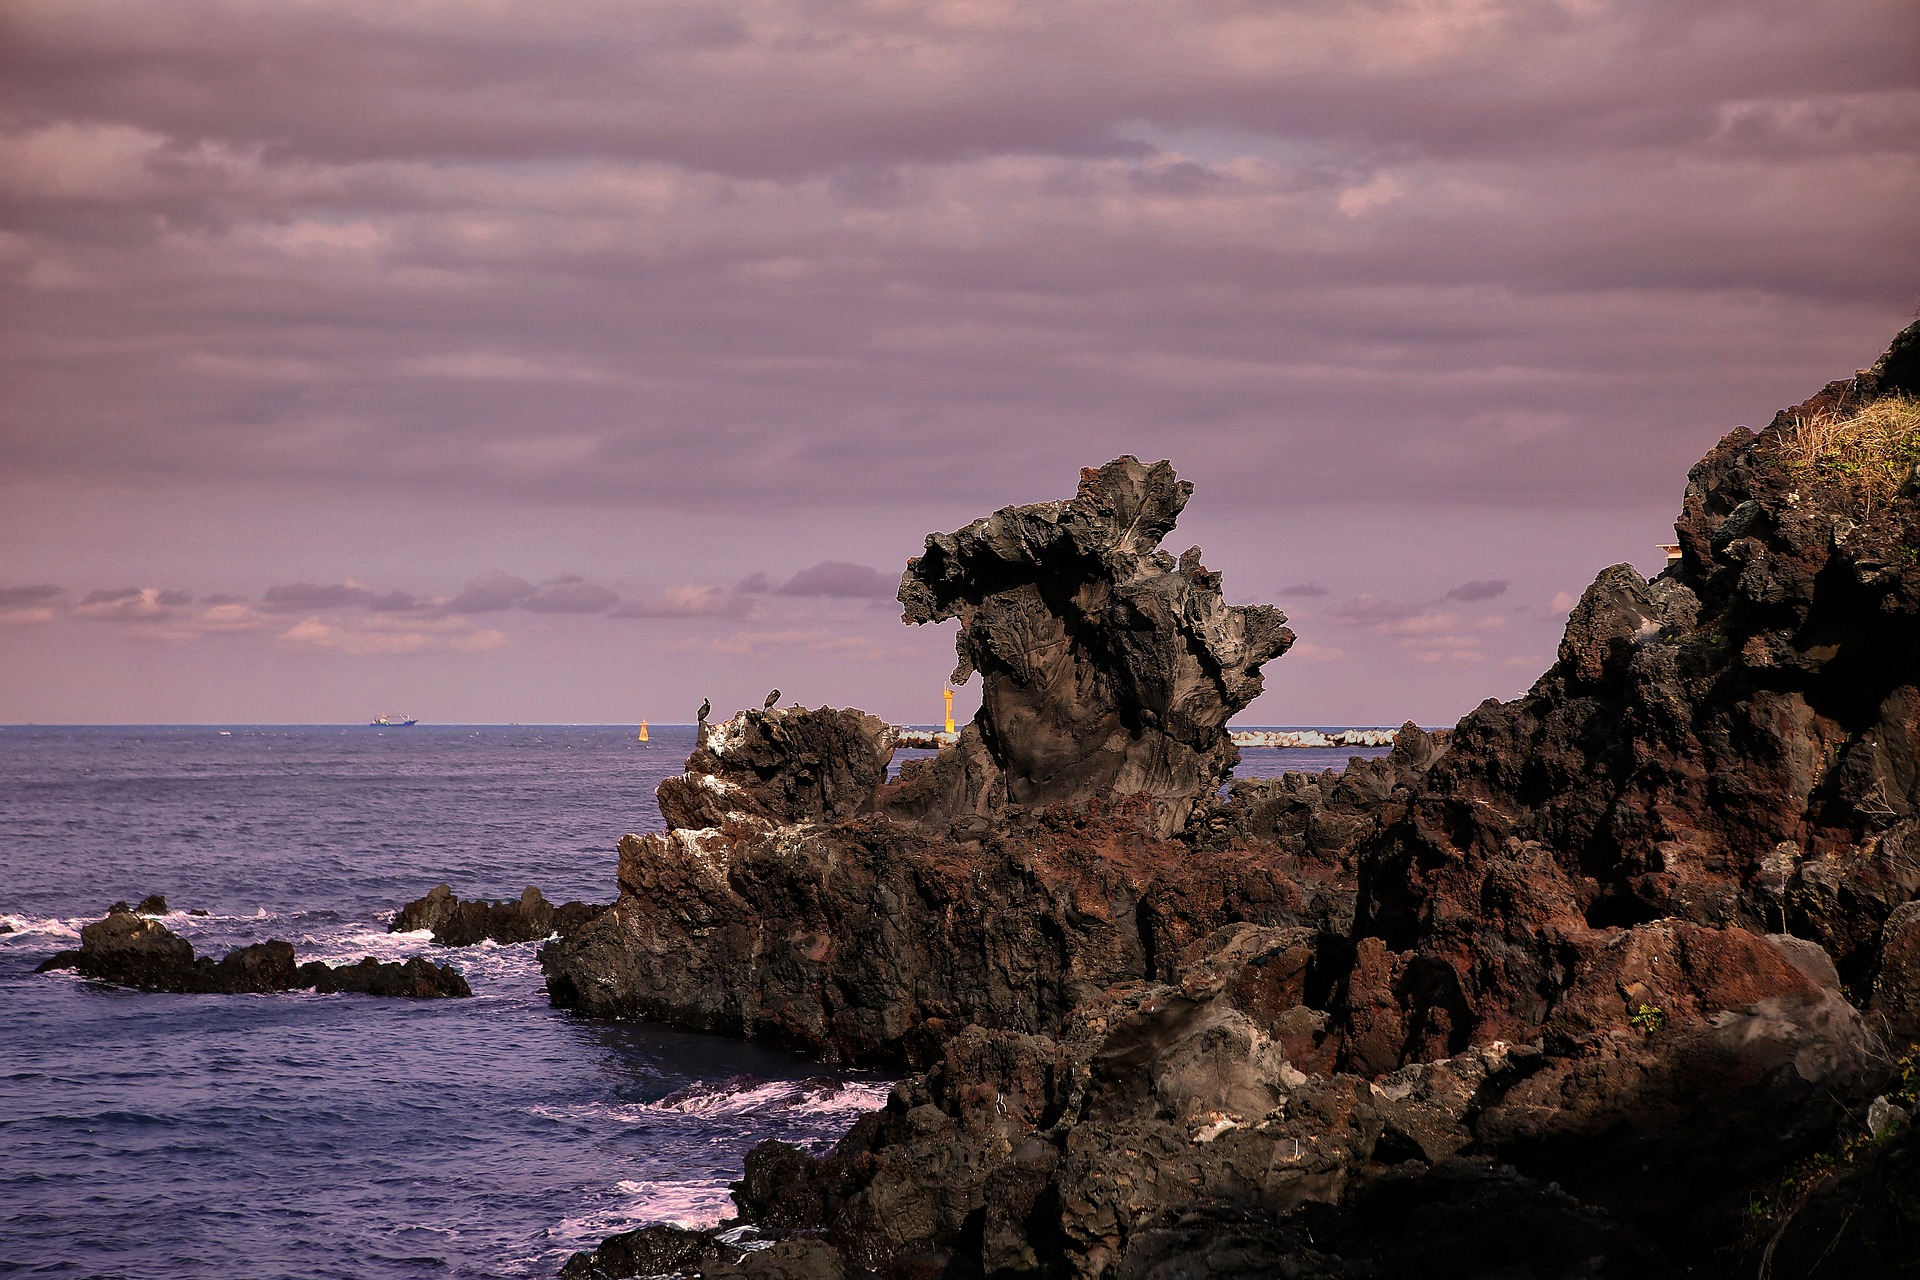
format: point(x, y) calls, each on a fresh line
point(157, 1135)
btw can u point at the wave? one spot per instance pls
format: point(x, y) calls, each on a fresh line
point(695, 1204)
point(744, 1095)
point(47, 926)
point(1303, 738)
point(736, 1097)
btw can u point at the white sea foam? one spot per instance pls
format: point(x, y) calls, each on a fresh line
point(855, 1097)
point(644, 1203)
point(1300, 738)
point(48, 926)
point(733, 1097)
point(796, 1097)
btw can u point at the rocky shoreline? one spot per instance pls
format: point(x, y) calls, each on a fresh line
point(463, 922)
point(130, 949)
point(1619, 978)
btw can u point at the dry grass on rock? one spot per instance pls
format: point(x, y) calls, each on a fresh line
point(1868, 454)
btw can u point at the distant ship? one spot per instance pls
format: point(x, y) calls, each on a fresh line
point(392, 722)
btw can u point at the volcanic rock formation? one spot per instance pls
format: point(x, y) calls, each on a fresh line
point(130, 950)
point(1619, 978)
point(1108, 667)
point(781, 767)
point(798, 897)
point(457, 922)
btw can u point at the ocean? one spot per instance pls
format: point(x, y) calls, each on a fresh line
point(156, 1135)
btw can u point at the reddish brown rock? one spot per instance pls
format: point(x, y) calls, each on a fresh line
point(1591, 1003)
point(1895, 1005)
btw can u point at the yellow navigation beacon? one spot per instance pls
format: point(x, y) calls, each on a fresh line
point(949, 711)
point(643, 731)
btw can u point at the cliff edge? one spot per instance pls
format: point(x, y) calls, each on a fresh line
point(1619, 978)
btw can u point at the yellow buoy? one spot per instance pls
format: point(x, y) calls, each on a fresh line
point(643, 731)
point(949, 711)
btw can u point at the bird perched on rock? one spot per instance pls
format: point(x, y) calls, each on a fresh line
point(706, 709)
point(771, 699)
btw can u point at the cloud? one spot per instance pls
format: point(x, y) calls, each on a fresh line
point(397, 602)
point(490, 593)
point(373, 639)
point(690, 601)
point(570, 594)
point(721, 271)
point(1430, 624)
point(1456, 656)
point(865, 254)
point(1308, 651)
point(1478, 589)
point(131, 604)
point(1422, 633)
point(227, 617)
point(1372, 612)
point(840, 579)
point(22, 597)
point(302, 597)
point(789, 641)
point(30, 606)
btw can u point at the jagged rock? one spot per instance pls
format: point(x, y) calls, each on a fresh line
point(130, 950)
point(782, 766)
point(1326, 816)
point(796, 897)
point(455, 922)
point(1857, 1218)
point(1108, 667)
point(854, 940)
point(1896, 988)
point(418, 977)
point(1592, 1003)
point(1733, 745)
point(153, 904)
point(650, 1251)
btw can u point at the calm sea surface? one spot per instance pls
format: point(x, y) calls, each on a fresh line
point(156, 1135)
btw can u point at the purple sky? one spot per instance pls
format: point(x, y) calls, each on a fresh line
point(573, 361)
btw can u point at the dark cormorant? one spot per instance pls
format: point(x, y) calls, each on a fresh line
point(706, 709)
point(771, 699)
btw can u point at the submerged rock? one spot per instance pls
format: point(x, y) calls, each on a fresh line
point(455, 922)
point(130, 950)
